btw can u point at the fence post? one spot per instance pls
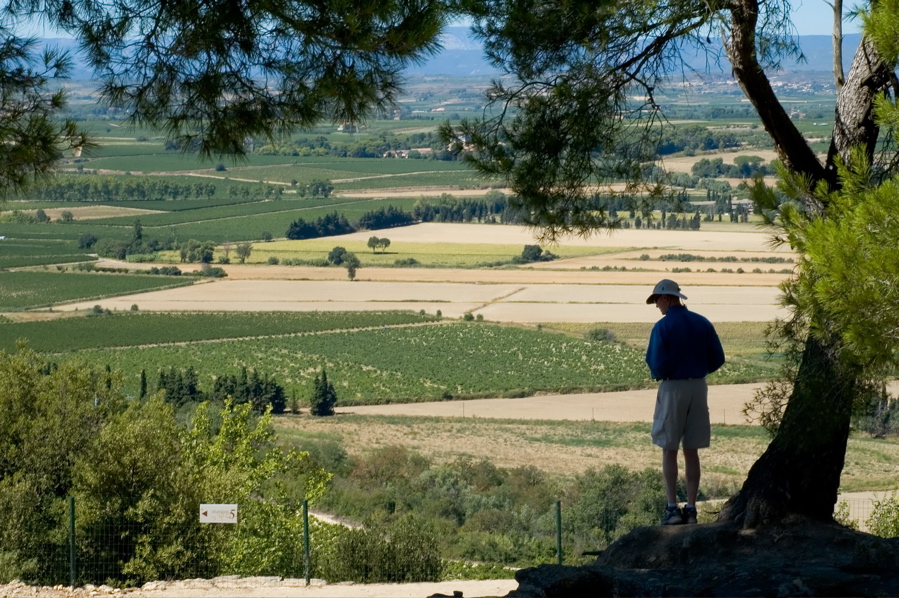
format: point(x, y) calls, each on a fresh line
point(559, 531)
point(72, 541)
point(306, 538)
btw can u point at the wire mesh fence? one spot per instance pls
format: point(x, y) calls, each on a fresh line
point(120, 551)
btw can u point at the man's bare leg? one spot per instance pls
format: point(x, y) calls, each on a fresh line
point(691, 467)
point(669, 472)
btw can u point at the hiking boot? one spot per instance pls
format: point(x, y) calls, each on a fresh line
point(690, 515)
point(672, 516)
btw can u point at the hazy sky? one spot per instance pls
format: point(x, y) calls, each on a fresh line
point(811, 17)
point(815, 17)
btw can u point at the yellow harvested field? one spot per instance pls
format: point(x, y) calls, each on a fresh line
point(97, 212)
point(497, 302)
point(429, 232)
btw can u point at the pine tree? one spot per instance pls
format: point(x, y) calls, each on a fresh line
point(143, 383)
point(323, 396)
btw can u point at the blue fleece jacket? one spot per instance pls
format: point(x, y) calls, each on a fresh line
point(683, 345)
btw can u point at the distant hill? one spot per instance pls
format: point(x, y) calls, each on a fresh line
point(462, 56)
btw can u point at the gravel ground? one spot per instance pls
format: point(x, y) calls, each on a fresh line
point(267, 587)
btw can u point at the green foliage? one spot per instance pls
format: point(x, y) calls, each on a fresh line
point(260, 391)
point(689, 257)
point(533, 253)
point(191, 98)
point(403, 551)
point(375, 243)
point(841, 516)
point(143, 477)
point(351, 263)
point(179, 386)
point(388, 217)
point(96, 188)
point(326, 226)
point(335, 256)
point(324, 397)
point(48, 415)
point(884, 519)
point(466, 570)
point(849, 269)
point(841, 293)
point(608, 503)
point(485, 513)
point(210, 272)
point(33, 135)
point(600, 335)
point(243, 251)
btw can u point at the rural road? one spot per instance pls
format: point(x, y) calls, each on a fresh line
point(725, 405)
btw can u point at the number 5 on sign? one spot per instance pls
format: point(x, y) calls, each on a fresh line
point(218, 513)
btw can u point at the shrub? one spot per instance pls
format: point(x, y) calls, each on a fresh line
point(884, 519)
point(212, 272)
point(600, 334)
point(272, 261)
point(86, 241)
point(98, 310)
point(402, 552)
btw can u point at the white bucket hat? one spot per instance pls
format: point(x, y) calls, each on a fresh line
point(665, 287)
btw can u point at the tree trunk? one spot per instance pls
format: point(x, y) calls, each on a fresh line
point(799, 473)
point(792, 148)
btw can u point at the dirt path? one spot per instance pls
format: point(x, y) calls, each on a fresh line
point(725, 405)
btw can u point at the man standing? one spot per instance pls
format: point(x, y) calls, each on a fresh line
point(683, 349)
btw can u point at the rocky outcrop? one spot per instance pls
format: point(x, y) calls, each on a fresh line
point(797, 558)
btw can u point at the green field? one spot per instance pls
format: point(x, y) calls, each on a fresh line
point(441, 255)
point(239, 210)
point(250, 228)
point(411, 364)
point(26, 290)
point(130, 329)
point(22, 252)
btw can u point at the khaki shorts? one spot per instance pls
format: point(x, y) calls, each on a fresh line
point(682, 414)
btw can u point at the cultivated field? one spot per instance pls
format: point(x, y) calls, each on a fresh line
point(743, 238)
point(497, 302)
point(610, 286)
